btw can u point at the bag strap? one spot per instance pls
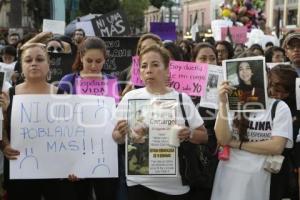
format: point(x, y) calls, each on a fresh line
point(273, 109)
point(183, 111)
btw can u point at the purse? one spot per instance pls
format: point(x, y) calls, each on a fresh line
point(273, 163)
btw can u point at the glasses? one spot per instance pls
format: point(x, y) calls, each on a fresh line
point(55, 49)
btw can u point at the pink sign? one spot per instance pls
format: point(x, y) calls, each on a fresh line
point(188, 77)
point(135, 72)
point(238, 34)
point(90, 86)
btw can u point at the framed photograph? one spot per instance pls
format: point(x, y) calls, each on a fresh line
point(248, 77)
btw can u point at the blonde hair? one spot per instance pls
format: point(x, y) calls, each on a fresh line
point(27, 46)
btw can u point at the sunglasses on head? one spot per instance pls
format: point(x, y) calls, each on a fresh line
point(55, 49)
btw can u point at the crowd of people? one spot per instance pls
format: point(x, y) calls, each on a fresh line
point(242, 177)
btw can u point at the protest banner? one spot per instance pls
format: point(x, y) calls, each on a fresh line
point(54, 26)
point(147, 149)
point(58, 135)
point(165, 30)
point(188, 77)
point(60, 65)
point(111, 24)
point(214, 78)
point(248, 77)
point(120, 50)
point(91, 86)
point(238, 34)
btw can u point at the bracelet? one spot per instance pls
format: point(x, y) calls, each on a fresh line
point(241, 143)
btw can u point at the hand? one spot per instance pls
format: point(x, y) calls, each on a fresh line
point(138, 133)
point(184, 134)
point(121, 129)
point(4, 101)
point(10, 153)
point(73, 178)
point(225, 89)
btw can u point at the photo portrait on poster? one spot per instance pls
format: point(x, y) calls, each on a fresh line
point(248, 77)
point(147, 149)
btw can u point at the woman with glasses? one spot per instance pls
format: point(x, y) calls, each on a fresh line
point(35, 69)
point(225, 51)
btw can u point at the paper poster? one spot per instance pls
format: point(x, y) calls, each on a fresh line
point(216, 26)
point(93, 86)
point(214, 78)
point(298, 94)
point(188, 77)
point(238, 34)
point(54, 26)
point(59, 135)
point(165, 30)
point(8, 69)
point(87, 27)
point(147, 149)
point(248, 77)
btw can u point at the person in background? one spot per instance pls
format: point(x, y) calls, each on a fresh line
point(204, 53)
point(257, 50)
point(13, 39)
point(268, 45)
point(78, 36)
point(55, 46)
point(239, 49)
point(8, 54)
point(88, 64)
point(174, 50)
point(225, 51)
point(35, 67)
point(186, 47)
point(291, 45)
point(154, 63)
point(275, 55)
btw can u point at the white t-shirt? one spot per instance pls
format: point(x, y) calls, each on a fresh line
point(170, 185)
point(243, 176)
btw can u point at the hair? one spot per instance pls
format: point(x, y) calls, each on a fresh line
point(175, 51)
point(163, 52)
point(256, 46)
point(88, 44)
point(200, 46)
point(146, 36)
point(269, 44)
point(228, 46)
point(81, 30)
point(287, 76)
point(189, 47)
point(270, 52)
point(10, 50)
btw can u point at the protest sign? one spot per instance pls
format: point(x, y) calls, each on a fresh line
point(99, 87)
point(135, 72)
point(120, 50)
point(54, 26)
point(87, 27)
point(214, 78)
point(147, 149)
point(165, 30)
point(58, 135)
point(238, 34)
point(188, 77)
point(248, 77)
point(8, 69)
point(216, 26)
point(60, 65)
point(111, 24)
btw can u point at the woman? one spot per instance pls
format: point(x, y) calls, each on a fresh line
point(154, 62)
point(186, 47)
point(225, 51)
point(35, 67)
point(252, 138)
point(88, 65)
point(206, 53)
point(144, 41)
point(275, 55)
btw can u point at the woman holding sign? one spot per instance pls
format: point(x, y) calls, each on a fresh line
point(35, 67)
point(88, 79)
point(154, 63)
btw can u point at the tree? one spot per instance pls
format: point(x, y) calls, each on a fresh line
point(98, 7)
point(157, 3)
point(39, 10)
point(134, 10)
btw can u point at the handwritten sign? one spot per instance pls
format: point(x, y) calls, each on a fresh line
point(166, 31)
point(216, 26)
point(188, 77)
point(58, 135)
point(111, 24)
point(106, 87)
point(238, 34)
point(87, 27)
point(135, 73)
point(54, 26)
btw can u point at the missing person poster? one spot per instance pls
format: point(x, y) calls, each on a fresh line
point(248, 78)
point(147, 149)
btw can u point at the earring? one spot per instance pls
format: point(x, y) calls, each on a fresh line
point(22, 76)
point(49, 76)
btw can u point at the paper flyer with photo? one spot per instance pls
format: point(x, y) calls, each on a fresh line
point(214, 79)
point(248, 77)
point(147, 149)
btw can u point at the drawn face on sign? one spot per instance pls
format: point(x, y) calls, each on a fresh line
point(35, 63)
point(152, 70)
point(92, 60)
